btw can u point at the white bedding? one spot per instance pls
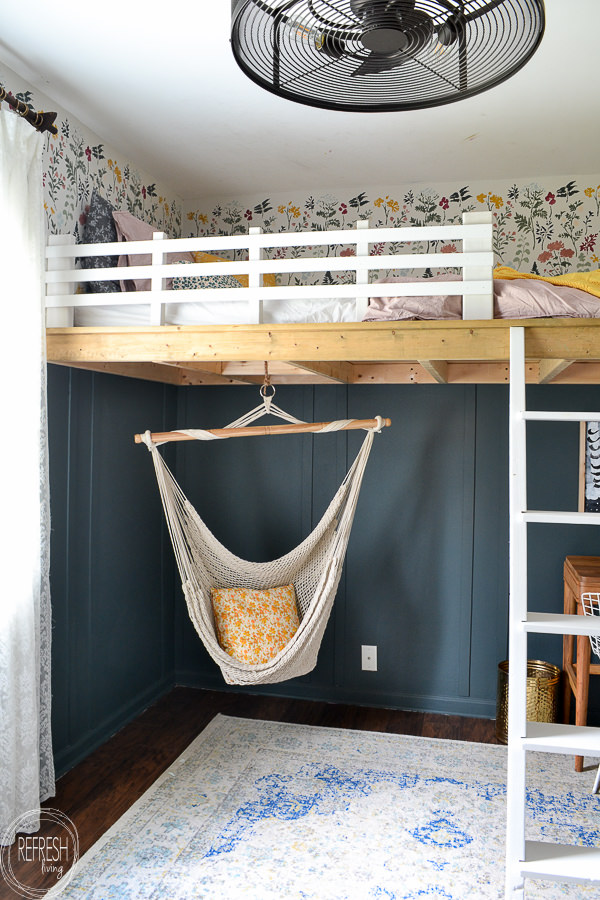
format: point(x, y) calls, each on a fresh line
point(220, 313)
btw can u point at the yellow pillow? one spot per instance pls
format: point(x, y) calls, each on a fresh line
point(200, 257)
point(253, 625)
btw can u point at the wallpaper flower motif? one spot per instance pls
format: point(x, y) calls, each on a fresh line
point(73, 168)
point(75, 162)
point(548, 229)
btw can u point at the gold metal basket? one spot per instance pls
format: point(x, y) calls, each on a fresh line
point(543, 684)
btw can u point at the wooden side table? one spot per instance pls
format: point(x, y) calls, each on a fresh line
point(581, 574)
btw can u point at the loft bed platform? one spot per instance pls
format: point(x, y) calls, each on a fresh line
point(156, 314)
point(560, 351)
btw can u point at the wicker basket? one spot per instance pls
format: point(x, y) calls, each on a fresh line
point(543, 683)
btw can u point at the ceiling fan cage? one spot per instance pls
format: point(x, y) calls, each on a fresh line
point(383, 55)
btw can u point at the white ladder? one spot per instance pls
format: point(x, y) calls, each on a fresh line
point(534, 859)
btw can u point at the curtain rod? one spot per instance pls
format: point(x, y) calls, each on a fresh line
point(41, 121)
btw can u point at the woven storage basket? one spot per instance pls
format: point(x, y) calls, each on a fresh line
point(543, 682)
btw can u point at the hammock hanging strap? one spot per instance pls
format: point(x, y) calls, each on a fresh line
point(314, 567)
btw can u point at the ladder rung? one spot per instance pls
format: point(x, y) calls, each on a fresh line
point(558, 623)
point(561, 517)
point(553, 737)
point(560, 416)
point(561, 862)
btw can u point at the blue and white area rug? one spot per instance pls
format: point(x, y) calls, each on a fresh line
point(271, 811)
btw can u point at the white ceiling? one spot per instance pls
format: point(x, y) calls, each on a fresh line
point(159, 84)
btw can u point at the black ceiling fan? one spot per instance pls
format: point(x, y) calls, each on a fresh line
point(383, 55)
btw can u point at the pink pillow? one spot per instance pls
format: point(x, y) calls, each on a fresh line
point(528, 298)
point(436, 306)
point(131, 229)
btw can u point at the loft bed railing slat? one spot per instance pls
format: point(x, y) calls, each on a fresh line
point(401, 234)
point(283, 292)
point(275, 266)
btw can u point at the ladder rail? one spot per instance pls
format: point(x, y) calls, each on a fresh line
point(517, 644)
point(529, 858)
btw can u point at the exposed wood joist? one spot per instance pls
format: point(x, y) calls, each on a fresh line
point(579, 373)
point(205, 374)
point(283, 372)
point(457, 373)
point(437, 368)
point(550, 368)
point(360, 373)
point(280, 371)
point(148, 371)
point(340, 373)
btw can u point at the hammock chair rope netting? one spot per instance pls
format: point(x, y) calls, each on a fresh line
point(314, 567)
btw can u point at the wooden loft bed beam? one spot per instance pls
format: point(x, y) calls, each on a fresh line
point(437, 368)
point(224, 373)
point(417, 373)
point(280, 371)
point(579, 373)
point(288, 371)
point(366, 373)
point(336, 373)
point(558, 350)
point(345, 342)
point(449, 341)
point(204, 374)
point(550, 368)
point(147, 371)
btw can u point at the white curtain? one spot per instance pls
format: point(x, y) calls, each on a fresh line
point(26, 764)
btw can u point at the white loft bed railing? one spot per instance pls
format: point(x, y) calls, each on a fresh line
point(475, 260)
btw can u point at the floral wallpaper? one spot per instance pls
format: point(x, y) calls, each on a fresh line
point(76, 161)
point(548, 228)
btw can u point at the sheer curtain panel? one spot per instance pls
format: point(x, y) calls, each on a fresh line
point(26, 765)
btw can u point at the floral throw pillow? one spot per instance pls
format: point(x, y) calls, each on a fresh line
point(100, 228)
point(185, 282)
point(255, 625)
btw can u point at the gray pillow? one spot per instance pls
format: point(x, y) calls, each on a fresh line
point(100, 229)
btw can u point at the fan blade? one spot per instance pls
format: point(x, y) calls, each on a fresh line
point(332, 45)
point(375, 63)
point(451, 29)
point(364, 8)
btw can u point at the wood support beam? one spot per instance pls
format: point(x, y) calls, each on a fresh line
point(342, 342)
point(550, 368)
point(339, 373)
point(367, 373)
point(437, 368)
point(205, 374)
point(147, 371)
point(579, 373)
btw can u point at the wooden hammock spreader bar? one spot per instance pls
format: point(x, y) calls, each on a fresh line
point(161, 437)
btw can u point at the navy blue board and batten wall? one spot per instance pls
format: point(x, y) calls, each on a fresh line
point(426, 575)
point(111, 570)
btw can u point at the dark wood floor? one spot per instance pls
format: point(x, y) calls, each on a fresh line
point(101, 788)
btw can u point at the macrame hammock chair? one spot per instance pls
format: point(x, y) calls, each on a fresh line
point(314, 567)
